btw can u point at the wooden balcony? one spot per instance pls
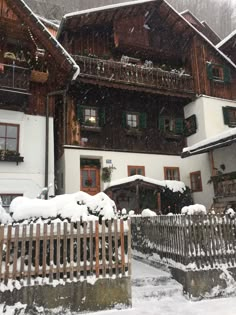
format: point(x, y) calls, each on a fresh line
point(225, 185)
point(153, 79)
point(14, 78)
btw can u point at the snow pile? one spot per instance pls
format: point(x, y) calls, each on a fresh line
point(72, 206)
point(148, 213)
point(196, 209)
point(5, 218)
point(230, 213)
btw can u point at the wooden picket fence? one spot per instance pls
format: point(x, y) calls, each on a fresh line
point(64, 250)
point(202, 241)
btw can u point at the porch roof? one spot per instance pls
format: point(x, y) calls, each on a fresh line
point(132, 181)
point(223, 139)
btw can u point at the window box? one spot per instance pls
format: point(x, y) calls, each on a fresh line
point(38, 76)
point(10, 156)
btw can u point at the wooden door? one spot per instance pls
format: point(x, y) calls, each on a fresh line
point(90, 179)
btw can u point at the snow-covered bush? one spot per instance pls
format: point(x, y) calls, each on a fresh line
point(148, 213)
point(230, 213)
point(195, 209)
point(5, 218)
point(69, 206)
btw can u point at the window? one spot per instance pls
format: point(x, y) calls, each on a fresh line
point(171, 173)
point(190, 126)
point(134, 120)
point(171, 124)
point(7, 199)
point(196, 181)
point(91, 116)
point(217, 72)
point(229, 115)
point(9, 137)
point(136, 170)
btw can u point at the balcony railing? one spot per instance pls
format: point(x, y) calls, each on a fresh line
point(134, 74)
point(225, 185)
point(14, 78)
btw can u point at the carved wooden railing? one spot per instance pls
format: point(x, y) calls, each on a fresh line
point(224, 187)
point(134, 74)
point(14, 78)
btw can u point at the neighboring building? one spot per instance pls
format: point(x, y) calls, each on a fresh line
point(227, 45)
point(143, 67)
point(202, 27)
point(34, 68)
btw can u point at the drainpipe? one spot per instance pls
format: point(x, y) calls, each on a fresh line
point(60, 92)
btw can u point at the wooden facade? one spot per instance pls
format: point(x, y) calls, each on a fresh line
point(31, 66)
point(142, 59)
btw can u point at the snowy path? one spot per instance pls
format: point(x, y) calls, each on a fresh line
point(154, 293)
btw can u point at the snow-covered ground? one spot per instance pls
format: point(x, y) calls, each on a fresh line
point(155, 292)
point(166, 298)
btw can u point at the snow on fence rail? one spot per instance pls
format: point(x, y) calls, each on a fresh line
point(202, 241)
point(64, 251)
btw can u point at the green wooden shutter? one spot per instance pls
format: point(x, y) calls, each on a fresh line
point(209, 71)
point(143, 120)
point(123, 122)
point(162, 123)
point(225, 115)
point(227, 74)
point(179, 126)
point(80, 113)
point(102, 117)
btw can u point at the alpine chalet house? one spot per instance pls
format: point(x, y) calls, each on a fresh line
point(144, 71)
point(218, 140)
point(34, 68)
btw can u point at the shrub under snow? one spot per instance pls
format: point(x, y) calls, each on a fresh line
point(196, 209)
point(68, 206)
point(148, 213)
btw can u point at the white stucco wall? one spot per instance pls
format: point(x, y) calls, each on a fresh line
point(154, 168)
point(226, 156)
point(27, 178)
point(209, 114)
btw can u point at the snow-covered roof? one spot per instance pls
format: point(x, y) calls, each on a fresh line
point(223, 139)
point(52, 39)
point(226, 39)
point(138, 2)
point(173, 185)
point(107, 7)
point(54, 24)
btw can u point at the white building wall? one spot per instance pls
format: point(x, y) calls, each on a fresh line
point(209, 114)
point(154, 168)
point(27, 177)
point(227, 157)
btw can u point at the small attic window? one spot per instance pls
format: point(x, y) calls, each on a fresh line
point(216, 72)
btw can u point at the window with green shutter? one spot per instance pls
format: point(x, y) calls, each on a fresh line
point(216, 72)
point(132, 120)
point(171, 125)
